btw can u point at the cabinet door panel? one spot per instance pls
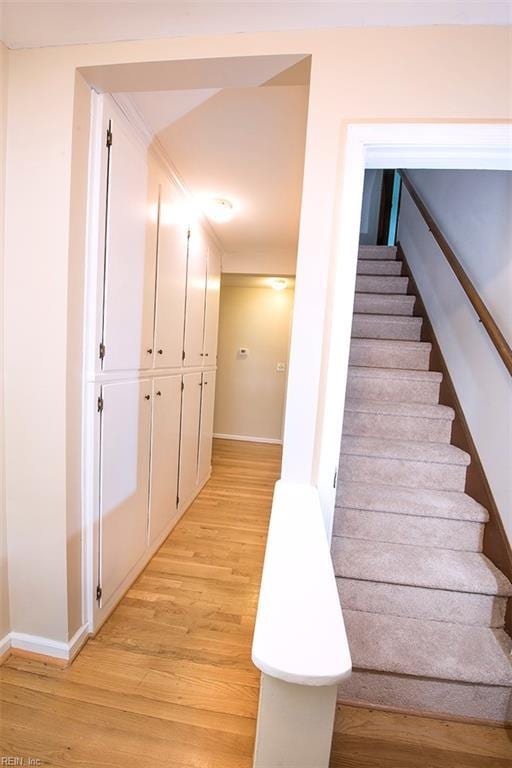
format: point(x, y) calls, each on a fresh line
point(206, 430)
point(196, 287)
point(189, 445)
point(171, 281)
point(130, 256)
point(124, 479)
point(211, 320)
point(164, 453)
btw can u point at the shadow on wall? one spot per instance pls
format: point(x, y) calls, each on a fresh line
point(254, 340)
point(370, 207)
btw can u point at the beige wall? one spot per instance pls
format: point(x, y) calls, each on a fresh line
point(407, 74)
point(473, 211)
point(38, 169)
point(4, 580)
point(250, 392)
point(261, 263)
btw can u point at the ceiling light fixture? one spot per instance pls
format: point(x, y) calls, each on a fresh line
point(278, 283)
point(219, 209)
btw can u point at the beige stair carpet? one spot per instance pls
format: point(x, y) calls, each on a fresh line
point(423, 606)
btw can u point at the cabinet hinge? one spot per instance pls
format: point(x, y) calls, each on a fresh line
point(102, 351)
point(109, 137)
point(100, 404)
point(183, 355)
point(335, 479)
point(177, 500)
point(188, 233)
point(99, 593)
point(182, 386)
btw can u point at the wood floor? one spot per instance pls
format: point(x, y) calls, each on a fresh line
point(169, 682)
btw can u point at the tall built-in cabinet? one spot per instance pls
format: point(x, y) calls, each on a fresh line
point(156, 305)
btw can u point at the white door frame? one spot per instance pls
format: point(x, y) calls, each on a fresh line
point(400, 145)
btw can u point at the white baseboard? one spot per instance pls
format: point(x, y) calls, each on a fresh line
point(5, 644)
point(45, 646)
point(78, 640)
point(249, 438)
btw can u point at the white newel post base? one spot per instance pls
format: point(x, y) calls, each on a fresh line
point(295, 725)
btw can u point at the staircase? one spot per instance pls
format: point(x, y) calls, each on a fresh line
point(424, 608)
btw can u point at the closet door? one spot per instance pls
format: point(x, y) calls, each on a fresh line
point(196, 287)
point(164, 453)
point(171, 281)
point(211, 319)
point(206, 429)
point(189, 444)
point(124, 480)
point(130, 253)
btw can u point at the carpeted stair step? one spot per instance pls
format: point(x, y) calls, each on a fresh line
point(379, 267)
point(386, 327)
point(422, 603)
point(447, 505)
point(389, 353)
point(419, 581)
point(408, 463)
point(401, 421)
point(408, 529)
point(384, 304)
point(429, 567)
point(381, 284)
point(431, 649)
point(446, 699)
point(393, 385)
point(428, 666)
point(423, 606)
point(377, 252)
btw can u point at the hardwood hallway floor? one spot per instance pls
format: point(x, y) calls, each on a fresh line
point(168, 680)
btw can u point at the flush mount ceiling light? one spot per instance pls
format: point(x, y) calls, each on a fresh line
point(278, 283)
point(219, 209)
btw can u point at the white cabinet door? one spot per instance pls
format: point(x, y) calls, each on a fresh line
point(164, 453)
point(124, 480)
point(206, 428)
point(196, 288)
point(189, 444)
point(211, 319)
point(171, 280)
point(130, 254)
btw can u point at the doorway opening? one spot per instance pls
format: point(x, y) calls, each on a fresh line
point(195, 183)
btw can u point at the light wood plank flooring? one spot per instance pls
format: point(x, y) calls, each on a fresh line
point(168, 680)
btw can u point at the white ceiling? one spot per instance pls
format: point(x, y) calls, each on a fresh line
point(244, 144)
point(36, 24)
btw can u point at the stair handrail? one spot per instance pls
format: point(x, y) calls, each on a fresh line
point(484, 316)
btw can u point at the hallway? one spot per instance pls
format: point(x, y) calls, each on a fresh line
point(168, 680)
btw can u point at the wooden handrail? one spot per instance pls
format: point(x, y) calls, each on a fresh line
point(485, 317)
